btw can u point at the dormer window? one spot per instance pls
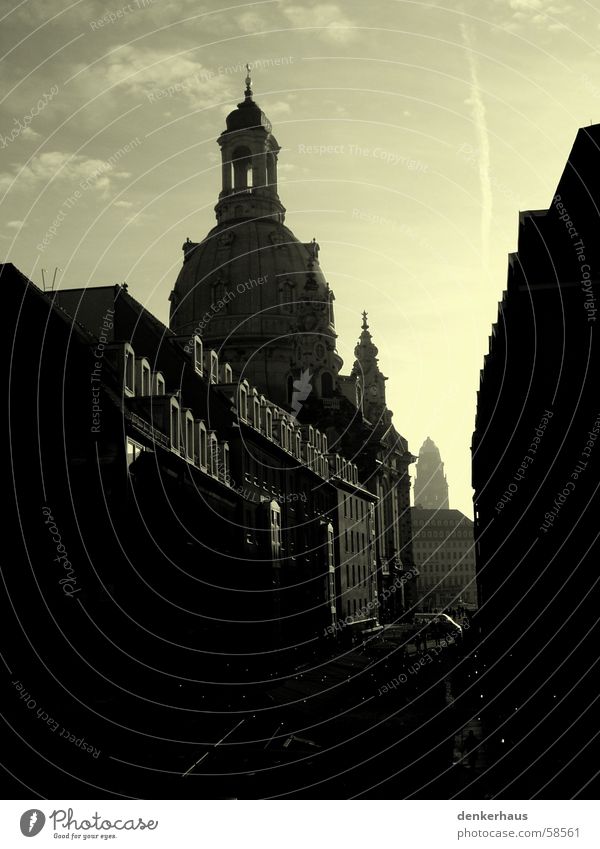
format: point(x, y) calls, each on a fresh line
point(318, 440)
point(202, 446)
point(256, 411)
point(143, 377)
point(214, 455)
point(129, 371)
point(198, 356)
point(298, 444)
point(243, 401)
point(175, 425)
point(324, 448)
point(269, 423)
point(227, 373)
point(158, 383)
point(213, 369)
point(189, 436)
point(225, 464)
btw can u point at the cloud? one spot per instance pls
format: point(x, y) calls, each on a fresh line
point(538, 13)
point(123, 204)
point(59, 166)
point(279, 107)
point(146, 71)
point(28, 133)
point(15, 225)
point(333, 24)
point(251, 22)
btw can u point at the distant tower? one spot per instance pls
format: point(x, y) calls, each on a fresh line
point(370, 380)
point(431, 486)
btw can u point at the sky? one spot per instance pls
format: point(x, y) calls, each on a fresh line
point(412, 134)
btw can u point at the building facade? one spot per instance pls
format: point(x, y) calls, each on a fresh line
point(536, 466)
point(257, 295)
point(444, 551)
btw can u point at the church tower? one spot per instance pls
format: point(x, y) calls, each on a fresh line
point(251, 289)
point(248, 165)
point(431, 486)
point(370, 381)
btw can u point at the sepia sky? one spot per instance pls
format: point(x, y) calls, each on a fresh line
point(411, 133)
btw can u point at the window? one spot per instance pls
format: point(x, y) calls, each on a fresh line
point(225, 465)
point(243, 401)
point(129, 371)
point(353, 575)
point(202, 446)
point(134, 449)
point(256, 411)
point(158, 383)
point(318, 440)
point(214, 455)
point(227, 374)
point(275, 514)
point(269, 423)
point(189, 435)
point(347, 575)
point(143, 378)
point(283, 434)
point(214, 367)
point(298, 445)
point(175, 423)
point(198, 355)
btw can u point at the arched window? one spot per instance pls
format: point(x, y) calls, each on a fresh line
point(198, 355)
point(326, 385)
point(189, 435)
point(175, 425)
point(202, 446)
point(158, 383)
point(256, 410)
point(214, 367)
point(143, 377)
point(129, 370)
point(242, 169)
point(214, 455)
point(275, 523)
point(243, 401)
point(269, 423)
point(225, 464)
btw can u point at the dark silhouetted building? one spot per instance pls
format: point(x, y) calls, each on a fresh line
point(431, 486)
point(536, 476)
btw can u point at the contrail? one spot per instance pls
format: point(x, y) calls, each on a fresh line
point(483, 144)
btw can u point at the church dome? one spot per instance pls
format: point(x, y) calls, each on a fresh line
point(251, 289)
point(247, 115)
